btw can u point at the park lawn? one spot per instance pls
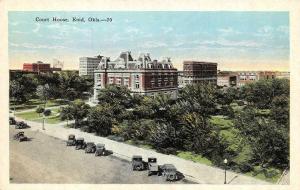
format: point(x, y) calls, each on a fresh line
point(194, 157)
point(33, 116)
point(140, 144)
point(261, 175)
point(34, 103)
point(221, 121)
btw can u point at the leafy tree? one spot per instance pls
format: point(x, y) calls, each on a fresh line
point(262, 92)
point(280, 110)
point(78, 110)
point(163, 136)
point(66, 114)
point(268, 140)
point(202, 97)
point(44, 93)
point(100, 120)
point(115, 95)
point(47, 112)
point(40, 110)
point(200, 136)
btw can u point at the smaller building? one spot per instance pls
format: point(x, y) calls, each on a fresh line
point(195, 72)
point(87, 65)
point(227, 79)
point(283, 75)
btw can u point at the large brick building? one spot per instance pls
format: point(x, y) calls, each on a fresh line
point(199, 72)
point(39, 67)
point(142, 76)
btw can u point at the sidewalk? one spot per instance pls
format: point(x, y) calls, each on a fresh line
point(196, 172)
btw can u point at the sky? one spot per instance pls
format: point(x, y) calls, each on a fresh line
point(235, 40)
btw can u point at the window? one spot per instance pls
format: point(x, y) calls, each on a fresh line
point(137, 85)
point(111, 80)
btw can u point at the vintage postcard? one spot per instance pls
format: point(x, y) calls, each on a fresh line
point(178, 97)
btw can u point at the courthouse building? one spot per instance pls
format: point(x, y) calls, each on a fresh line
point(142, 76)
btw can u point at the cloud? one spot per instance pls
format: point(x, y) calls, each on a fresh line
point(132, 30)
point(35, 46)
point(284, 29)
point(152, 44)
point(14, 23)
point(228, 31)
point(167, 29)
point(18, 32)
point(230, 43)
point(37, 28)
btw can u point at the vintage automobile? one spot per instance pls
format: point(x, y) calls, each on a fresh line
point(12, 121)
point(80, 144)
point(90, 147)
point(21, 125)
point(169, 171)
point(100, 150)
point(71, 140)
point(20, 136)
point(137, 163)
point(152, 166)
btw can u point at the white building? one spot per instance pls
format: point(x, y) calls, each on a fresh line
point(87, 65)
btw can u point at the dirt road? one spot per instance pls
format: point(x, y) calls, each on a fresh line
point(45, 159)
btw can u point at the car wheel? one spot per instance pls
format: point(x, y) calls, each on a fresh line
point(171, 177)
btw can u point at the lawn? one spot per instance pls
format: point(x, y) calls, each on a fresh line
point(194, 157)
point(33, 116)
point(34, 103)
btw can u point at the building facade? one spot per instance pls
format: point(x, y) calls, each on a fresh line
point(142, 76)
point(38, 67)
point(87, 65)
point(199, 72)
point(227, 79)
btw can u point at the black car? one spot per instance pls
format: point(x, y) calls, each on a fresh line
point(21, 125)
point(80, 144)
point(71, 140)
point(90, 147)
point(12, 121)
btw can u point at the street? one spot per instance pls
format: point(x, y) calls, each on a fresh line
point(46, 159)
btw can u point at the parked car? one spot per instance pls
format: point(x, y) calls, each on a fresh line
point(21, 125)
point(152, 166)
point(12, 121)
point(71, 140)
point(80, 144)
point(90, 147)
point(100, 150)
point(137, 163)
point(170, 172)
point(20, 136)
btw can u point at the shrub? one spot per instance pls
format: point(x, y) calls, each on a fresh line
point(47, 112)
point(40, 110)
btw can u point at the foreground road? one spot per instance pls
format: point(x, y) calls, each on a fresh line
point(46, 159)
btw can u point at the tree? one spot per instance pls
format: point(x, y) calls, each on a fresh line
point(202, 97)
point(40, 110)
point(280, 109)
point(262, 92)
point(268, 140)
point(44, 93)
point(200, 136)
point(78, 110)
point(115, 95)
point(66, 114)
point(100, 120)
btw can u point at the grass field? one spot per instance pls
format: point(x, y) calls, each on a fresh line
point(33, 116)
point(34, 103)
